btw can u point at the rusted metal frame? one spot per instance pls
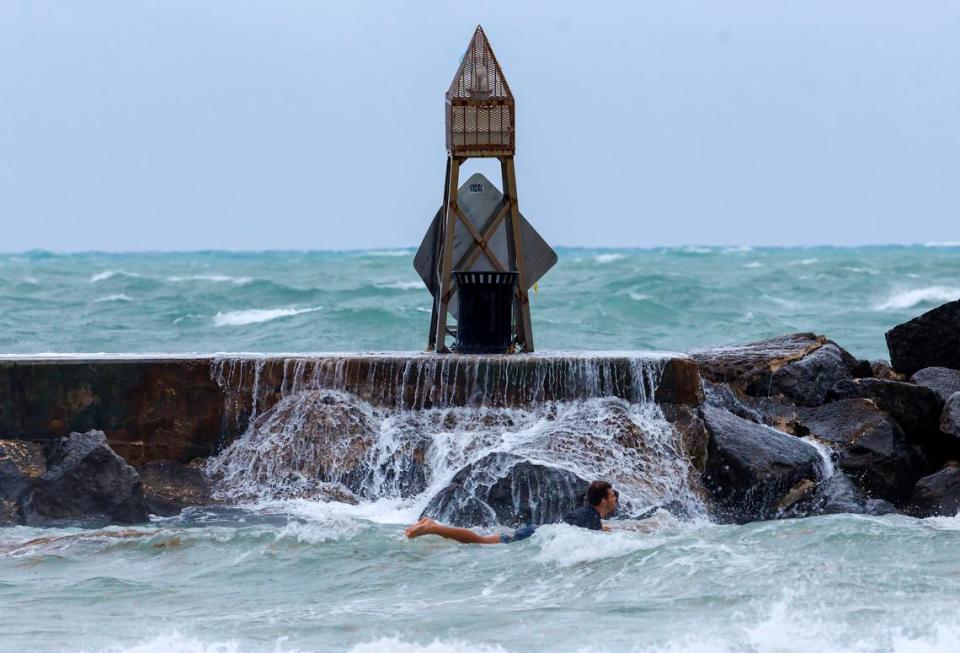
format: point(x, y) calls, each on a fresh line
point(434, 283)
point(449, 225)
point(473, 252)
point(480, 241)
point(515, 240)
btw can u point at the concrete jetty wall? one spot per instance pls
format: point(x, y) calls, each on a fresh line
point(178, 408)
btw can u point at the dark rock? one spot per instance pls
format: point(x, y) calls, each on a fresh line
point(800, 367)
point(883, 370)
point(505, 489)
point(807, 381)
point(938, 494)
point(170, 487)
point(915, 408)
point(941, 380)
point(950, 417)
point(772, 411)
point(930, 340)
point(752, 468)
point(870, 446)
point(84, 481)
point(753, 363)
point(21, 463)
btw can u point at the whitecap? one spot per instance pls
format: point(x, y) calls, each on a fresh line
point(30, 280)
point(215, 278)
point(910, 298)
point(119, 297)
point(400, 285)
point(639, 297)
point(396, 645)
point(946, 243)
point(607, 258)
point(736, 249)
point(387, 252)
point(806, 261)
point(109, 274)
point(694, 249)
point(256, 315)
point(753, 265)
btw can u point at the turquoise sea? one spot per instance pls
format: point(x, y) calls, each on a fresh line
point(273, 573)
point(630, 299)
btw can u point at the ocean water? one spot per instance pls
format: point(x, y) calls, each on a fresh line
point(268, 572)
point(664, 299)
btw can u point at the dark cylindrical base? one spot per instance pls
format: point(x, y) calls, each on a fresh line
point(485, 311)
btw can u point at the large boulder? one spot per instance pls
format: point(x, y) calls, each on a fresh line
point(84, 481)
point(930, 340)
point(501, 488)
point(942, 380)
point(915, 408)
point(169, 487)
point(938, 494)
point(870, 446)
point(752, 470)
point(801, 367)
point(950, 417)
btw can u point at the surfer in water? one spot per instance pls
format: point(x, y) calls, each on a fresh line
point(601, 501)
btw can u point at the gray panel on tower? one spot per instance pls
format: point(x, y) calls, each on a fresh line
point(480, 201)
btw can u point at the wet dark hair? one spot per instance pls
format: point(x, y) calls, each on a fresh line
point(597, 492)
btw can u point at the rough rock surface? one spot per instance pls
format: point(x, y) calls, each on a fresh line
point(751, 468)
point(915, 408)
point(85, 481)
point(170, 487)
point(930, 340)
point(807, 381)
point(950, 418)
point(871, 447)
point(883, 370)
point(938, 494)
point(692, 433)
point(505, 489)
point(801, 367)
point(941, 380)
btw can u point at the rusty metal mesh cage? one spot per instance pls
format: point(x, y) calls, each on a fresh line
point(480, 109)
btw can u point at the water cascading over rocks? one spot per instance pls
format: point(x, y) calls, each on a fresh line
point(467, 464)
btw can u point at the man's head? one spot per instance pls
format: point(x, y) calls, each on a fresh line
point(603, 497)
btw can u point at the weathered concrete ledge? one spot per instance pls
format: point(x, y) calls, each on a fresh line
point(176, 408)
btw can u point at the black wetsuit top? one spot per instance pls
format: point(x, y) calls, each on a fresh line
point(585, 516)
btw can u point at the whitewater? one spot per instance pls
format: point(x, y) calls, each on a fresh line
point(288, 564)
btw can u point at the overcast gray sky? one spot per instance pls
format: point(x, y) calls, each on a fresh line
point(316, 125)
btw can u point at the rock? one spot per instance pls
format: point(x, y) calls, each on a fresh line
point(308, 439)
point(752, 468)
point(21, 463)
point(85, 481)
point(870, 446)
point(801, 367)
point(930, 340)
point(915, 408)
point(938, 494)
point(679, 383)
point(883, 370)
point(950, 417)
point(170, 487)
point(772, 411)
point(941, 380)
point(807, 381)
point(501, 488)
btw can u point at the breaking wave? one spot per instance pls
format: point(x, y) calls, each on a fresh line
point(257, 315)
point(910, 298)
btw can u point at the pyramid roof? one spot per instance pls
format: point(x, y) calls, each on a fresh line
point(479, 76)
